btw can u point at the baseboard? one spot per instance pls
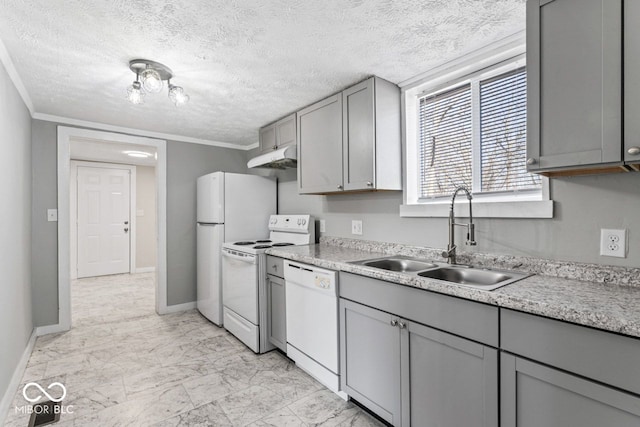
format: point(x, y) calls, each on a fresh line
point(145, 270)
point(178, 308)
point(50, 329)
point(9, 393)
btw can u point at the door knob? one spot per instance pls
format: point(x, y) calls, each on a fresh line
point(634, 151)
point(402, 325)
point(531, 161)
point(394, 322)
point(369, 184)
point(340, 187)
point(126, 230)
point(126, 222)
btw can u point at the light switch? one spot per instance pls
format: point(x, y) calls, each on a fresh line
point(52, 215)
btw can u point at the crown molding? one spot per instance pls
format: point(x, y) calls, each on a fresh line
point(5, 58)
point(139, 132)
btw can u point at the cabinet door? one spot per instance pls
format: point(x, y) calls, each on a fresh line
point(574, 83)
point(632, 74)
point(286, 131)
point(370, 359)
point(359, 136)
point(534, 395)
point(277, 324)
point(449, 381)
point(320, 147)
point(267, 138)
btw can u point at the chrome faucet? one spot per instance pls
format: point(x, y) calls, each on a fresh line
point(450, 253)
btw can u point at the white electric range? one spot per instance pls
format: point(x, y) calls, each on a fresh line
point(244, 290)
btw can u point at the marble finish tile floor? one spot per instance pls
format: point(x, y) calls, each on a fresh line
point(123, 365)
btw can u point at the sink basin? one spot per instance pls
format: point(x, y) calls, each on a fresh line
point(398, 263)
point(477, 278)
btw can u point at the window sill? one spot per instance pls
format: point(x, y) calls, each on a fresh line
point(522, 209)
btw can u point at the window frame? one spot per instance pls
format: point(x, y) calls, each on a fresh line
point(473, 68)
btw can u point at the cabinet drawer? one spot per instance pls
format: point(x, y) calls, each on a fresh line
point(602, 356)
point(473, 320)
point(275, 266)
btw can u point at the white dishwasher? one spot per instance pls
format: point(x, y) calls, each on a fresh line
point(312, 322)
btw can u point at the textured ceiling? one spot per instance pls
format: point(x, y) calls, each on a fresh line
point(243, 62)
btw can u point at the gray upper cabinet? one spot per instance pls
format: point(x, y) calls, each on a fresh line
point(278, 134)
point(574, 84)
point(320, 146)
point(367, 153)
point(632, 91)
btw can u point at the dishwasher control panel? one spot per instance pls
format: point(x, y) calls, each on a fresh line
point(312, 277)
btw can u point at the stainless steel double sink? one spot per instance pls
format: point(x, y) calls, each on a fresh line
point(479, 278)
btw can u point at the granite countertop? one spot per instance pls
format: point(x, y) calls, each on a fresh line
point(601, 302)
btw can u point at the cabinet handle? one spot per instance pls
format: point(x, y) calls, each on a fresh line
point(275, 147)
point(275, 267)
point(634, 151)
point(340, 187)
point(402, 325)
point(394, 322)
point(531, 161)
point(369, 184)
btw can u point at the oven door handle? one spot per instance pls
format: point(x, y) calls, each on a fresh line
point(249, 259)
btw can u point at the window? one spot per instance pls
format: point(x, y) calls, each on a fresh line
point(469, 129)
point(486, 153)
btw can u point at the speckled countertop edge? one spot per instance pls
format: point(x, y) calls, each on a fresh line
point(596, 304)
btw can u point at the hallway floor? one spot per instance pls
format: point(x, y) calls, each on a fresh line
point(123, 365)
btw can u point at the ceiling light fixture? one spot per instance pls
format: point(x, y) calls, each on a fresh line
point(150, 77)
point(140, 154)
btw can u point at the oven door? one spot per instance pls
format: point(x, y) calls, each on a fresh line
point(240, 283)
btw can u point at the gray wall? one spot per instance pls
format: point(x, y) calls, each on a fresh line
point(583, 205)
point(16, 320)
point(44, 238)
point(185, 163)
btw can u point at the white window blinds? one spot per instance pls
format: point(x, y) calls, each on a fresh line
point(503, 133)
point(445, 142)
point(475, 135)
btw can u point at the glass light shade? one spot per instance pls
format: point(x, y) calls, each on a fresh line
point(151, 80)
point(135, 94)
point(177, 95)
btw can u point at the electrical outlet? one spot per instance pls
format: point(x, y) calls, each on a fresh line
point(323, 226)
point(52, 215)
point(356, 227)
point(613, 243)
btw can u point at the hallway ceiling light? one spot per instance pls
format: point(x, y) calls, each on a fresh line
point(141, 154)
point(150, 77)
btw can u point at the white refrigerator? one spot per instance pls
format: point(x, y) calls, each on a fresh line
point(230, 207)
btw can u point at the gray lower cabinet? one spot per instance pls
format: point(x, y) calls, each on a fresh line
point(535, 395)
point(450, 381)
point(276, 303)
point(370, 359)
point(632, 91)
point(574, 84)
point(413, 375)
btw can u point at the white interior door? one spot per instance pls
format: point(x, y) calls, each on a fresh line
point(103, 221)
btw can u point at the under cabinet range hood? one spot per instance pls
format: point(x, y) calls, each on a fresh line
point(281, 158)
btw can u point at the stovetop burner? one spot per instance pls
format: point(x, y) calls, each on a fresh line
point(263, 241)
point(261, 246)
point(244, 243)
point(283, 244)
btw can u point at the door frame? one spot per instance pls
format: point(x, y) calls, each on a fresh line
point(65, 134)
point(73, 206)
